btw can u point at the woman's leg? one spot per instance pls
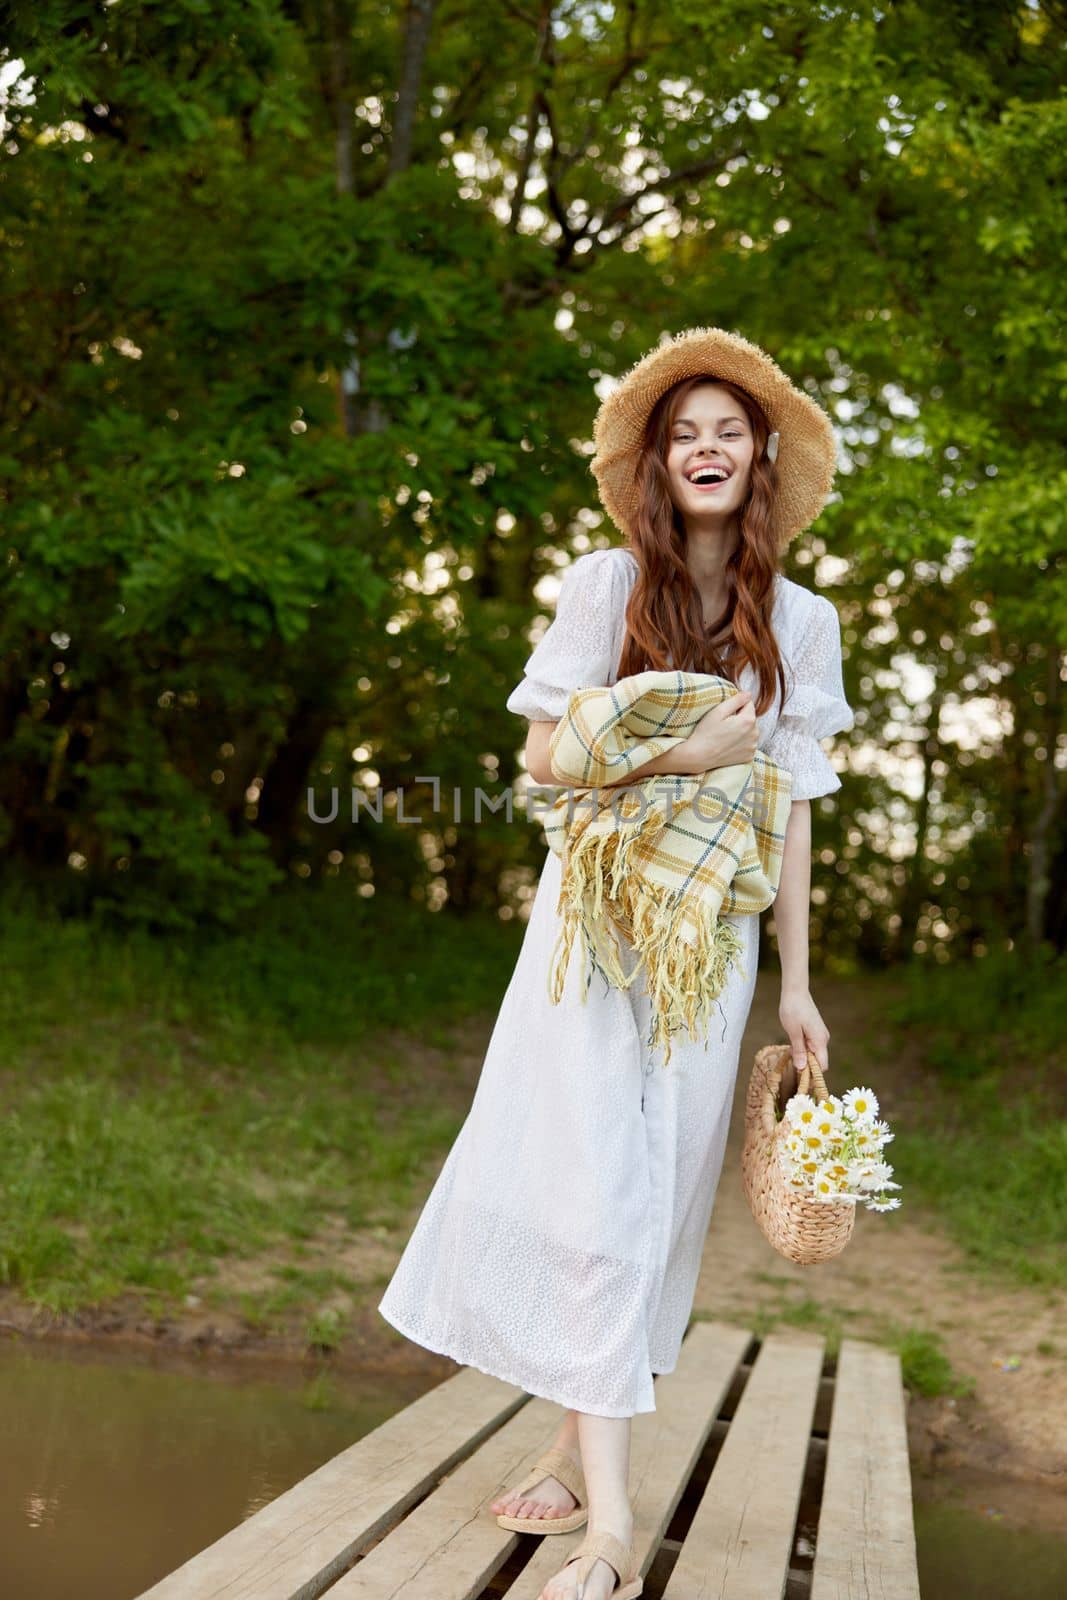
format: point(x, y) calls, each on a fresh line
point(549, 1498)
point(605, 1447)
point(687, 1115)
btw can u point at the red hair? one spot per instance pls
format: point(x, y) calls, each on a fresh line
point(664, 615)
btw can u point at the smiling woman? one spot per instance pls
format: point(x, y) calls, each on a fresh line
point(685, 432)
point(584, 1303)
point(730, 428)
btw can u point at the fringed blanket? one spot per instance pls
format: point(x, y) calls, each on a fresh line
point(659, 861)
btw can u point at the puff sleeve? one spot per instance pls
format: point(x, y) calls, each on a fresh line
point(815, 704)
point(579, 649)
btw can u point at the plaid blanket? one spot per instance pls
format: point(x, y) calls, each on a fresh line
point(661, 860)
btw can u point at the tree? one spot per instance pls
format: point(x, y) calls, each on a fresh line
point(300, 381)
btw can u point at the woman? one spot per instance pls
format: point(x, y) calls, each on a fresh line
point(560, 1246)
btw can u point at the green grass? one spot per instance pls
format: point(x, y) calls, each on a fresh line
point(1003, 1007)
point(170, 1103)
point(925, 1368)
point(321, 964)
point(173, 1108)
point(989, 1153)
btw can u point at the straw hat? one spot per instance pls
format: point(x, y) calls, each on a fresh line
point(802, 442)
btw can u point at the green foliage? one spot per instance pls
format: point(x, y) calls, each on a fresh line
point(925, 1367)
point(994, 1165)
point(174, 1103)
point(296, 412)
point(1004, 1009)
point(325, 1330)
point(989, 1153)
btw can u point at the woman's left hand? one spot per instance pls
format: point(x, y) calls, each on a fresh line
point(805, 1028)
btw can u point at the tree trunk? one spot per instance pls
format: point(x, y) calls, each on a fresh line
point(287, 774)
point(1013, 796)
point(914, 892)
point(1041, 838)
point(416, 37)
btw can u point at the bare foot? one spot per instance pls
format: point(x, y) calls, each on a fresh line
point(548, 1498)
point(602, 1580)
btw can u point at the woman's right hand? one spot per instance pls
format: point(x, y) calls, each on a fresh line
point(725, 736)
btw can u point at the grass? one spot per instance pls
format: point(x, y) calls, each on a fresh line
point(814, 1315)
point(925, 1368)
point(171, 1103)
point(218, 1115)
point(989, 1152)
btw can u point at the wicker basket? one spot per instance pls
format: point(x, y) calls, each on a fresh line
point(799, 1227)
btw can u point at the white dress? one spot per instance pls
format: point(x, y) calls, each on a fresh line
point(560, 1245)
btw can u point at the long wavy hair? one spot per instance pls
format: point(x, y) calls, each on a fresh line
point(664, 615)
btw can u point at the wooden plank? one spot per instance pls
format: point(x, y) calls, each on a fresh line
point(449, 1547)
point(665, 1446)
point(865, 1546)
point(739, 1544)
point(296, 1546)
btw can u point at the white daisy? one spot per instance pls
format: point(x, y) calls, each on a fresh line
point(827, 1181)
point(814, 1144)
point(860, 1105)
point(804, 1115)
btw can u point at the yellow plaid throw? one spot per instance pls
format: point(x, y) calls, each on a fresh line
point(660, 860)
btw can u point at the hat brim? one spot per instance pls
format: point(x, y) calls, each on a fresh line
point(807, 452)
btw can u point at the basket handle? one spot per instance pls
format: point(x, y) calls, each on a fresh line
point(811, 1074)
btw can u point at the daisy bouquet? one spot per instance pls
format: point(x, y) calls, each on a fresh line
point(832, 1149)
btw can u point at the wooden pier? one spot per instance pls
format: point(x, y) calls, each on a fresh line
point(765, 1473)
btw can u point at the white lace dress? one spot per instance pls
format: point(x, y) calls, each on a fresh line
point(560, 1244)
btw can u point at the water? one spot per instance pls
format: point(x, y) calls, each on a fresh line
point(115, 1469)
point(990, 1538)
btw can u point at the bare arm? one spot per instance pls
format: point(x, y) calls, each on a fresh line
point(793, 898)
point(797, 1011)
point(725, 734)
point(537, 763)
point(537, 738)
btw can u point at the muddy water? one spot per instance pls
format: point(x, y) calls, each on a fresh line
point(114, 1470)
point(988, 1537)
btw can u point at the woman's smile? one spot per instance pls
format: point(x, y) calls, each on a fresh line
point(710, 450)
point(708, 485)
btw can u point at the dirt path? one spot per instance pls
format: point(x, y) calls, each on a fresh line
point(897, 1270)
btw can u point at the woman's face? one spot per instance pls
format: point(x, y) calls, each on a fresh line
point(710, 431)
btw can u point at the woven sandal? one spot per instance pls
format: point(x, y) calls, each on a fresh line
point(605, 1547)
point(553, 1464)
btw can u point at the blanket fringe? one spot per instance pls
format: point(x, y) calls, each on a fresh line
point(685, 951)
